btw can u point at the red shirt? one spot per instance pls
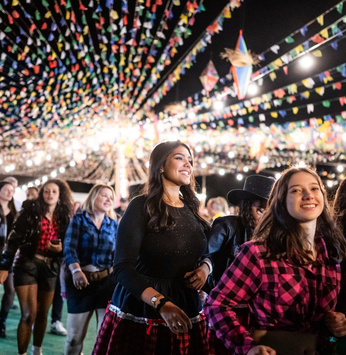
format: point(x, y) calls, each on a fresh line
point(49, 231)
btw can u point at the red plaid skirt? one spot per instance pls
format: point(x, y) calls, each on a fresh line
point(216, 346)
point(121, 336)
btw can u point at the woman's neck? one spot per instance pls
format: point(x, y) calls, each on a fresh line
point(98, 216)
point(309, 229)
point(172, 199)
point(4, 205)
point(50, 212)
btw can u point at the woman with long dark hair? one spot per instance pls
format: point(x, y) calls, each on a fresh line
point(7, 214)
point(228, 233)
point(288, 274)
point(38, 233)
point(155, 308)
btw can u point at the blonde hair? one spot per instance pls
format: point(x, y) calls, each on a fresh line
point(88, 204)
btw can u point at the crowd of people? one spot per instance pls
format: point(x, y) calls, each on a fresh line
point(165, 276)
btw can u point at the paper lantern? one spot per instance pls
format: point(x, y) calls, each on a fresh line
point(209, 77)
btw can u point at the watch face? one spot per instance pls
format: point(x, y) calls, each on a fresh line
point(154, 299)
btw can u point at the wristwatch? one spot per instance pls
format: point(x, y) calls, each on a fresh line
point(153, 299)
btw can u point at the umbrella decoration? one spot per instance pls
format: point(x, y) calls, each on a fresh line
point(209, 77)
point(242, 61)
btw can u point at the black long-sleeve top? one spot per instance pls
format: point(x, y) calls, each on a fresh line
point(142, 253)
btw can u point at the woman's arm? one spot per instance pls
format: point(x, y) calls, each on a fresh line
point(238, 285)
point(131, 232)
point(15, 240)
point(71, 240)
point(70, 250)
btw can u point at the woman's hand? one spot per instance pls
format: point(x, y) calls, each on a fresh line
point(336, 323)
point(80, 280)
point(175, 318)
point(3, 276)
point(261, 350)
point(196, 279)
point(55, 248)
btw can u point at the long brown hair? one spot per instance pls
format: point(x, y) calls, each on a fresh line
point(340, 206)
point(11, 204)
point(284, 235)
point(159, 216)
point(246, 216)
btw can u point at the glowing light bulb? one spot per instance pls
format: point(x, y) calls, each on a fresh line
point(218, 105)
point(222, 172)
point(239, 177)
point(231, 155)
point(340, 168)
point(252, 89)
point(62, 169)
point(277, 176)
point(72, 163)
point(306, 61)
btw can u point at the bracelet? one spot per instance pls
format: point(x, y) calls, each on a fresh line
point(209, 264)
point(163, 301)
point(76, 270)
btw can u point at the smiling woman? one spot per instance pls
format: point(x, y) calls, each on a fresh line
point(89, 250)
point(159, 265)
point(288, 275)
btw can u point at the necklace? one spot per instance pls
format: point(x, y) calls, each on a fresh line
point(171, 202)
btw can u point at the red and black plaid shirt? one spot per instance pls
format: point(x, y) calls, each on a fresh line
point(279, 295)
point(49, 231)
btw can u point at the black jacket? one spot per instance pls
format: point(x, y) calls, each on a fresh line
point(226, 236)
point(26, 233)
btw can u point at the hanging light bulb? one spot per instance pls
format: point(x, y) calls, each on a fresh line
point(218, 105)
point(252, 89)
point(306, 61)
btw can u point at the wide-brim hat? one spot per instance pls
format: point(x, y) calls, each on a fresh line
point(255, 187)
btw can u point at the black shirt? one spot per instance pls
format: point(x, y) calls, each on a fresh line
point(166, 255)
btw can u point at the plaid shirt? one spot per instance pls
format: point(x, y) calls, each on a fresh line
point(49, 231)
point(279, 295)
point(85, 244)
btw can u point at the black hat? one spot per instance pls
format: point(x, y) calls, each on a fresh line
point(255, 187)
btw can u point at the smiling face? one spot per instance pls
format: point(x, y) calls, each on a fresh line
point(178, 167)
point(104, 200)
point(304, 201)
point(51, 194)
point(6, 193)
point(257, 208)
